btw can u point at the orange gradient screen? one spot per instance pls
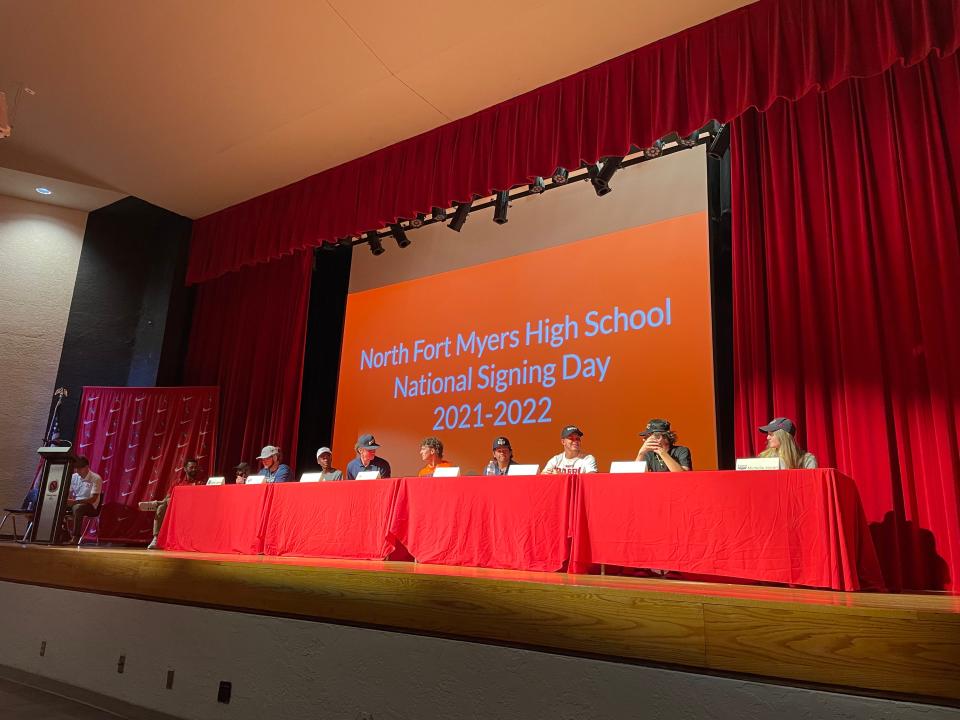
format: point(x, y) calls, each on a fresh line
point(602, 333)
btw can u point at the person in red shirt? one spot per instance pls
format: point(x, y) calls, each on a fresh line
point(431, 452)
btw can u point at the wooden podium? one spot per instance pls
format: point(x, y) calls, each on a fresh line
point(53, 493)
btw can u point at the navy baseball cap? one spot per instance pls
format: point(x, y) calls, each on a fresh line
point(367, 442)
point(570, 430)
point(780, 423)
point(501, 442)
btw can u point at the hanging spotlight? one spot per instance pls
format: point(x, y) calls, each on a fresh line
point(601, 183)
point(720, 143)
point(400, 236)
point(690, 140)
point(345, 241)
point(593, 169)
point(560, 176)
point(655, 150)
point(417, 221)
point(376, 246)
point(537, 186)
point(459, 216)
point(501, 204)
point(439, 214)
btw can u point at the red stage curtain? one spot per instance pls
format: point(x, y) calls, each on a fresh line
point(746, 58)
point(137, 439)
point(846, 274)
point(248, 336)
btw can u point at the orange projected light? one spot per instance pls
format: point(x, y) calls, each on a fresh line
point(602, 333)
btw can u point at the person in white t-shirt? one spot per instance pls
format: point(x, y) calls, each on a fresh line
point(85, 489)
point(571, 460)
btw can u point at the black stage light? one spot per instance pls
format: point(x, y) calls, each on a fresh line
point(376, 246)
point(560, 176)
point(500, 206)
point(345, 241)
point(439, 214)
point(601, 183)
point(329, 246)
point(459, 216)
point(720, 143)
point(688, 141)
point(417, 221)
point(400, 236)
point(593, 169)
point(655, 150)
point(537, 185)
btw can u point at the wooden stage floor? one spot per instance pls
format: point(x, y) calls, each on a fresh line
point(890, 644)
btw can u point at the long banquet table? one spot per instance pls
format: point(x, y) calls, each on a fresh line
point(798, 527)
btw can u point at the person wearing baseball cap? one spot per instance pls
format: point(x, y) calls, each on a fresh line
point(240, 474)
point(660, 451)
point(273, 471)
point(571, 460)
point(781, 443)
point(502, 457)
point(367, 459)
point(328, 473)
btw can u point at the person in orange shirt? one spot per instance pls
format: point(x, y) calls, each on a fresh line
point(431, 452)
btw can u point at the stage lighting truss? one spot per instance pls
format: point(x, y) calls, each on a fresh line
point(715, 135)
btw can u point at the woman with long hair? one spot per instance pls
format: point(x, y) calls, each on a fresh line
point(781, 443)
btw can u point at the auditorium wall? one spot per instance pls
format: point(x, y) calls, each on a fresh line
point(40, 247)
point(287, 668)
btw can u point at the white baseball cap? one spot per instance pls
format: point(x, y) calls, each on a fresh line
point(268, 451)
point(323, 450)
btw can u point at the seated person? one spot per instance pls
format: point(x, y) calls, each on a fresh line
point(571, 460)
point(502, 457)
point(367, 459)
point(431, 452)
point(191, 476)
point(781, 443)
point(660, 451)
point(273, 471)
point(85, 490)
point(240, 473)
point(328, 472)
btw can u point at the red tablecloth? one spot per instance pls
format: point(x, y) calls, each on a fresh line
point(216, 519)
point(331, 519)
point(802, 527)
point(496, 522)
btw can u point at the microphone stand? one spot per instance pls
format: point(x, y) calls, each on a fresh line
point(60, 393)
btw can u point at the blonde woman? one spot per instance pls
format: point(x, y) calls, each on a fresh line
point(781, 443)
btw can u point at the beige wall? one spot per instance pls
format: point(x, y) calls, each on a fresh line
point(39, 254)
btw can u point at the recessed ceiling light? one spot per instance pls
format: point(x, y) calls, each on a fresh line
point(44, 191)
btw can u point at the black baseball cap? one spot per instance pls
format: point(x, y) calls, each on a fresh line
point(780, 423)
point(570, 430)
point(366, 441)
point(656, 425)
point(501, 442)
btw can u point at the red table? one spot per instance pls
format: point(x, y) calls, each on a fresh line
point(800, 527)
point(514, 522)
point(216, 519)
point(331, 519)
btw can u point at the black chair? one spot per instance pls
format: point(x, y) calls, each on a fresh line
point(87, 519)
point(14, 513)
